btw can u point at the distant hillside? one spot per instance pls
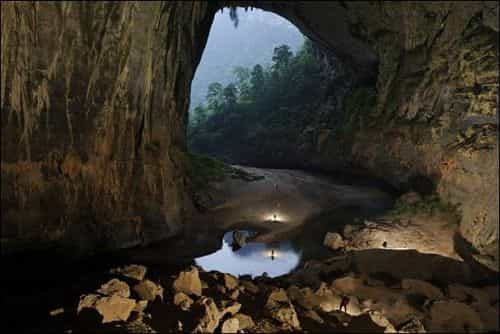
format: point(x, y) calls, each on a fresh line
point(250, 43)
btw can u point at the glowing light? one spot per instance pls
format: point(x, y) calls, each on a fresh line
point(274, 217)
point(272, 253)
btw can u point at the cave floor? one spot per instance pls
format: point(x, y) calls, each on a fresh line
point(306, 206)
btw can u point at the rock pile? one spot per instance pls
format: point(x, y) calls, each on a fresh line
point(207, 302)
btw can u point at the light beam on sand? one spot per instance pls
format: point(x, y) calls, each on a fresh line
point(275, 217)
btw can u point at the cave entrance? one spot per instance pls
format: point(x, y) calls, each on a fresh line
point(256, 68)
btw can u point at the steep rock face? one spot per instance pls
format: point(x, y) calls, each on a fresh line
point(93, 105)
point(94, 98)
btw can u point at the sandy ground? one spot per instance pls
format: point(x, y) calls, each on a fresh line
point(283, 200)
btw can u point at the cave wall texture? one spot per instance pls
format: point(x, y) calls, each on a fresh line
point(94, 101)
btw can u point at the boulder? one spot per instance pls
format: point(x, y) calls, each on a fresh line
point(249, 286)
point(382, 321)
point(231, 325)
point(276, 297)
point(230, 282)
point(115, 287)
point(140, 306)
point(210, 315)
point(313, 315)
point(112, 308)
point(414, 286)
point(245, 321)
point(281, 309)
point(234, 295)
point(188, 282)
point(412, 326)
point(239, 238)
point(286, 315)
point(148, 290)
point(410, 198)
point(229, 306)
point(453, 316)
point(333, 241)
point(133, 271)
point(305, 297)
point(183, 301)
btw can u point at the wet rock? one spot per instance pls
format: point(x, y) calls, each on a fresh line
point(412, 326)
point(113, 308)
point(133, 271)
point(210, 316)
point(230, 282)
point(410, 198)
point(231, 325)
point(115, 287)
point(333, 241)
point(414, 286)
point(249, 286)
point(239, 238)
point(452, 316)
point(183, 301)
point(245, 321)
point(188, 282)
point(148, 290)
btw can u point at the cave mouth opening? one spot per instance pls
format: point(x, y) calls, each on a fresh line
point(256, 70)
point(265, 95)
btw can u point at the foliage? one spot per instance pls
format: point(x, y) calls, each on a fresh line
point(204, 169)
point(258, 104)
point(429, 205)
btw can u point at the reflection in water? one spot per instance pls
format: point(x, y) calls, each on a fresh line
point(254, 258)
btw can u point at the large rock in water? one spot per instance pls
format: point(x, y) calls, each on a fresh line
point(113, 308)
point(188, 282)
point(333, 241)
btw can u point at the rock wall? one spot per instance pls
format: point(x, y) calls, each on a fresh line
point(95, 95)
point(93, 103)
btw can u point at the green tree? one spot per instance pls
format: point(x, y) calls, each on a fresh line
point(214, 97)
point(243, 84)
point(230, 96)
point(281, 59)
point(257, 81)
point(200, 115)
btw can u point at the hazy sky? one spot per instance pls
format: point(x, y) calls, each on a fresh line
point(251, 43)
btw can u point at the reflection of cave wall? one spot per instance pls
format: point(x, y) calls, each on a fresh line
point(94, 99)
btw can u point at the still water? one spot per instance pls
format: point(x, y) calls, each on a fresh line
point(254, 258)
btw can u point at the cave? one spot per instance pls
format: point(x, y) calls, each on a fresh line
point(96, 175)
